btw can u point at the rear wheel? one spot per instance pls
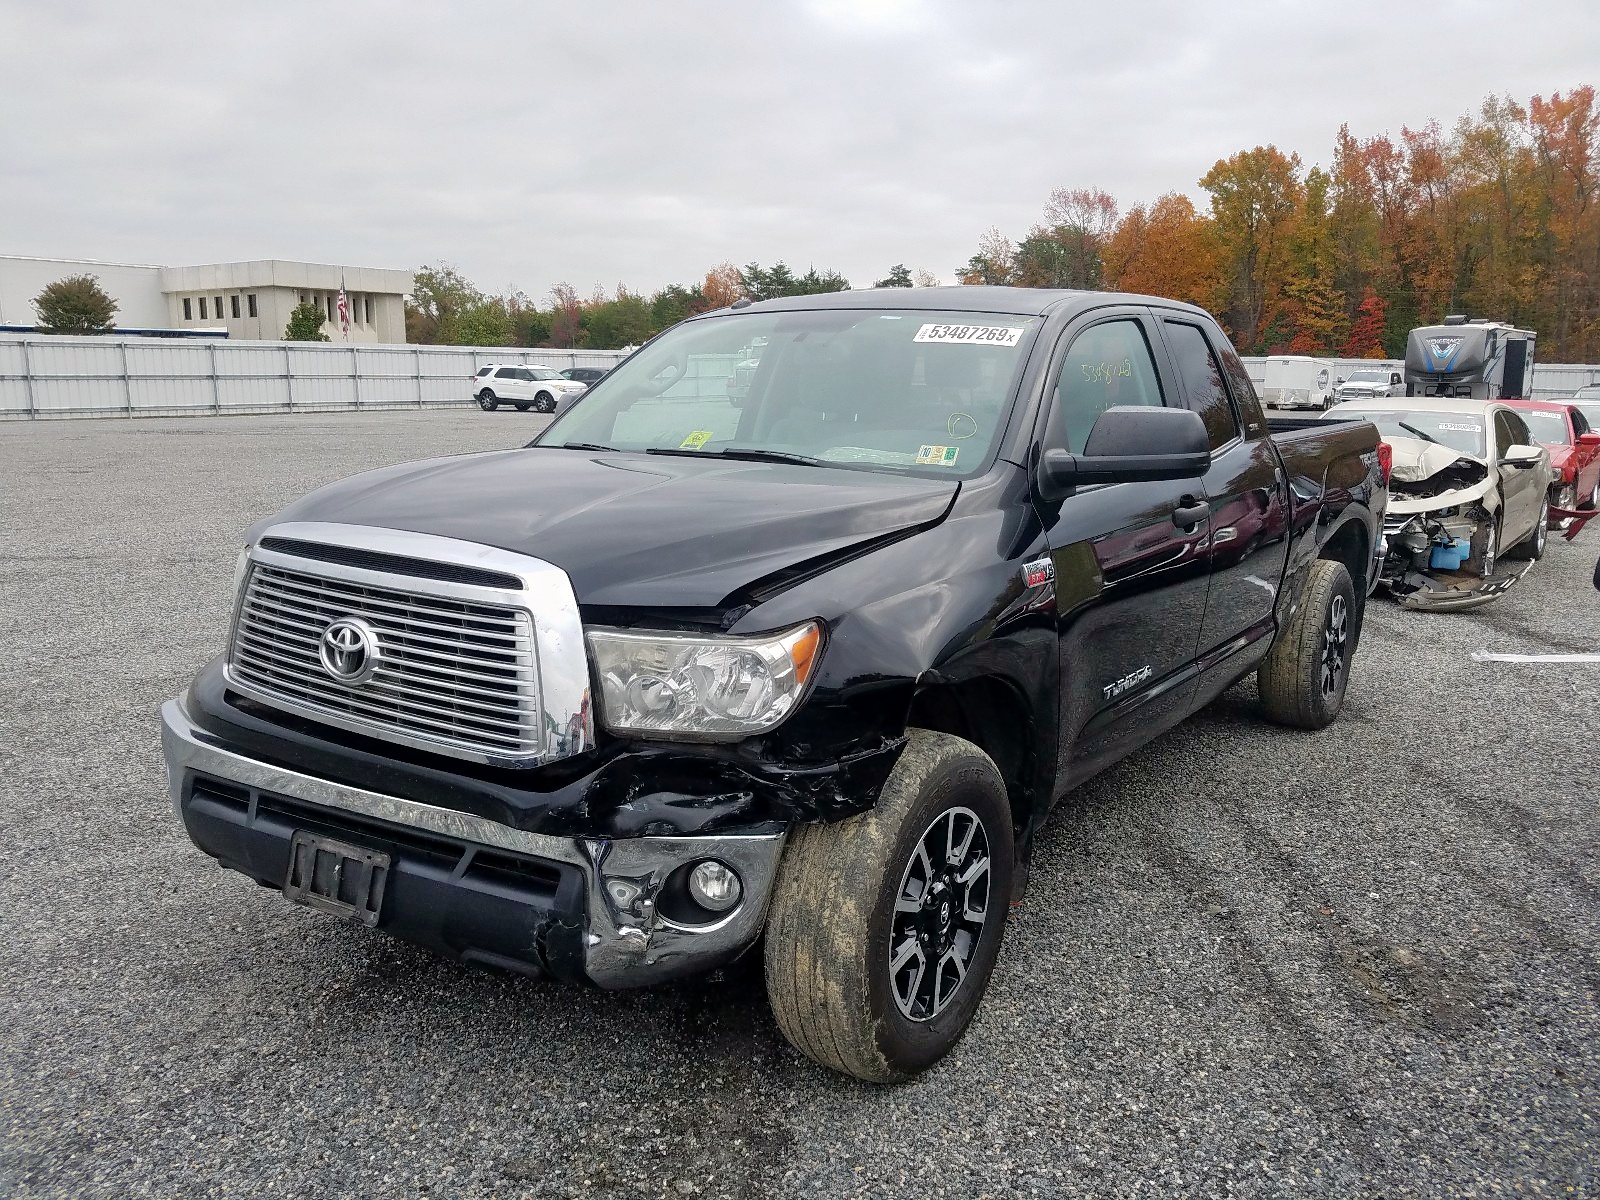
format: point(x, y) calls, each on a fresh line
point(885, 926)
point(1302, 680)
point(488, 401)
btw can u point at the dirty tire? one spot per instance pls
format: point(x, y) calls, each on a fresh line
point(833, 912)
point(1531, 548)
point(1291, 677)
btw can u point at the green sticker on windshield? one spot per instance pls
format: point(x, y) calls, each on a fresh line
point(696, 439)
point(937, 456)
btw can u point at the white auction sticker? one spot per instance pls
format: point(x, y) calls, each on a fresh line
point(970, 335)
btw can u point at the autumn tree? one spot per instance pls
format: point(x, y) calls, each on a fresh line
point(1365, 339)
point(1166, 250)
point(76, 304)
point(1068, 250)
point(1255, 196)
point(994, 263)
point(439, 295)
point(566, 317)
point(722, 285)
point(1315, 305)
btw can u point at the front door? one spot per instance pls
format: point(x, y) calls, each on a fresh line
point(1129, 558)
point(1519, 486)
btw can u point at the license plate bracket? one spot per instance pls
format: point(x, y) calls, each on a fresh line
point(336, 877)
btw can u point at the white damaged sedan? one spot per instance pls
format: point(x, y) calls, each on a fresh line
point(1468, 488)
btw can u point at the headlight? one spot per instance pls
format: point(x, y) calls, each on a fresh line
point(701, 688)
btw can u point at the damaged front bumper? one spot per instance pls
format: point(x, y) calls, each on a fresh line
point(1425, 556)
point(600, 909)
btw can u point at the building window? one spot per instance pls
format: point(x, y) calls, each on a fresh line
point(302, 297)
point(188, 311)
point(202, 308)
point(250, 303)
point(329, 299)
point(367, 308)
point(233, 305)
point(219, 308)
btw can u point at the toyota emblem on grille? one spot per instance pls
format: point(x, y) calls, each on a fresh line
point(349, 650)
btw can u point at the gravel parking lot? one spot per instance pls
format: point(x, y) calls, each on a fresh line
point(1252, 962)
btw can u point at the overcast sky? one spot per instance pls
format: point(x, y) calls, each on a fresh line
point(603, 142)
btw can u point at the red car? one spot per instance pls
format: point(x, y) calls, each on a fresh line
point(1574, 452)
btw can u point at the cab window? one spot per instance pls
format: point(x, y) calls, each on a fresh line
point(1108, 365)
point(1202, 381)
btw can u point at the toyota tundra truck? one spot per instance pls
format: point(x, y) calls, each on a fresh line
point(795, 672)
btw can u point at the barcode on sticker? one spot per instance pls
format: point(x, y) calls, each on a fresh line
point(970, 335)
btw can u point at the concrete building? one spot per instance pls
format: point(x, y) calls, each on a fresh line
point(250, 299)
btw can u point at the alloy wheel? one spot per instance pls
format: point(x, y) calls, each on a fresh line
point(1335, 640)
point(939, 914)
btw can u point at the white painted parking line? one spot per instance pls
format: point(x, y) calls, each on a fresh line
point(1487, 656)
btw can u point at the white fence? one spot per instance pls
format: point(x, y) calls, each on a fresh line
point(44, 376)
point(1549, 381)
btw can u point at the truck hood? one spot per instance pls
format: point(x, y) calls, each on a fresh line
point(630, 530)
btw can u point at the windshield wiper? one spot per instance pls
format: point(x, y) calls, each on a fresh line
point(743, 454)
point(1418, 432)
point(586, 446)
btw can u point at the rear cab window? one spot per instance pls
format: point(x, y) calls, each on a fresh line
point(1201, 374)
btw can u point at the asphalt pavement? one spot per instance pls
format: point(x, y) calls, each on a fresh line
point(1251, 962)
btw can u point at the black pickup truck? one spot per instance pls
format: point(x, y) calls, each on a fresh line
point(811, 661)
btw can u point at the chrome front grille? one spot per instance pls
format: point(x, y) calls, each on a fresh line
point(454, 674)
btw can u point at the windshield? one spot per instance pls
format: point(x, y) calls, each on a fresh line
point(1548, 428)
point(1462, 432)
point(1365, 376)
point(543, 373)
point(918, 392)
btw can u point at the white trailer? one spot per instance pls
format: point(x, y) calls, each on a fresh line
point(1295, 381)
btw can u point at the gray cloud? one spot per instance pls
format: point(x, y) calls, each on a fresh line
point(608, 142)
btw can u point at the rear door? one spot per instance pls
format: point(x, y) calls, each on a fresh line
point(1129, 558)
point(1247, 495)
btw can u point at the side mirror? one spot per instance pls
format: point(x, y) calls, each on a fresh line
point(1589, 439)
point(1130, 444)
point(1339, 380)
point(1521, 457)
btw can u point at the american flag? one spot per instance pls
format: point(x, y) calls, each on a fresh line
point(344, 311)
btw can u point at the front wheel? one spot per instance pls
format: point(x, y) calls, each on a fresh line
point(1302, 680)
point(885, 927)
point(546, 402)
point(488, 401)
point(1531, 548)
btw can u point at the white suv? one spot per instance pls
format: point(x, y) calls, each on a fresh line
point(525, 387)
